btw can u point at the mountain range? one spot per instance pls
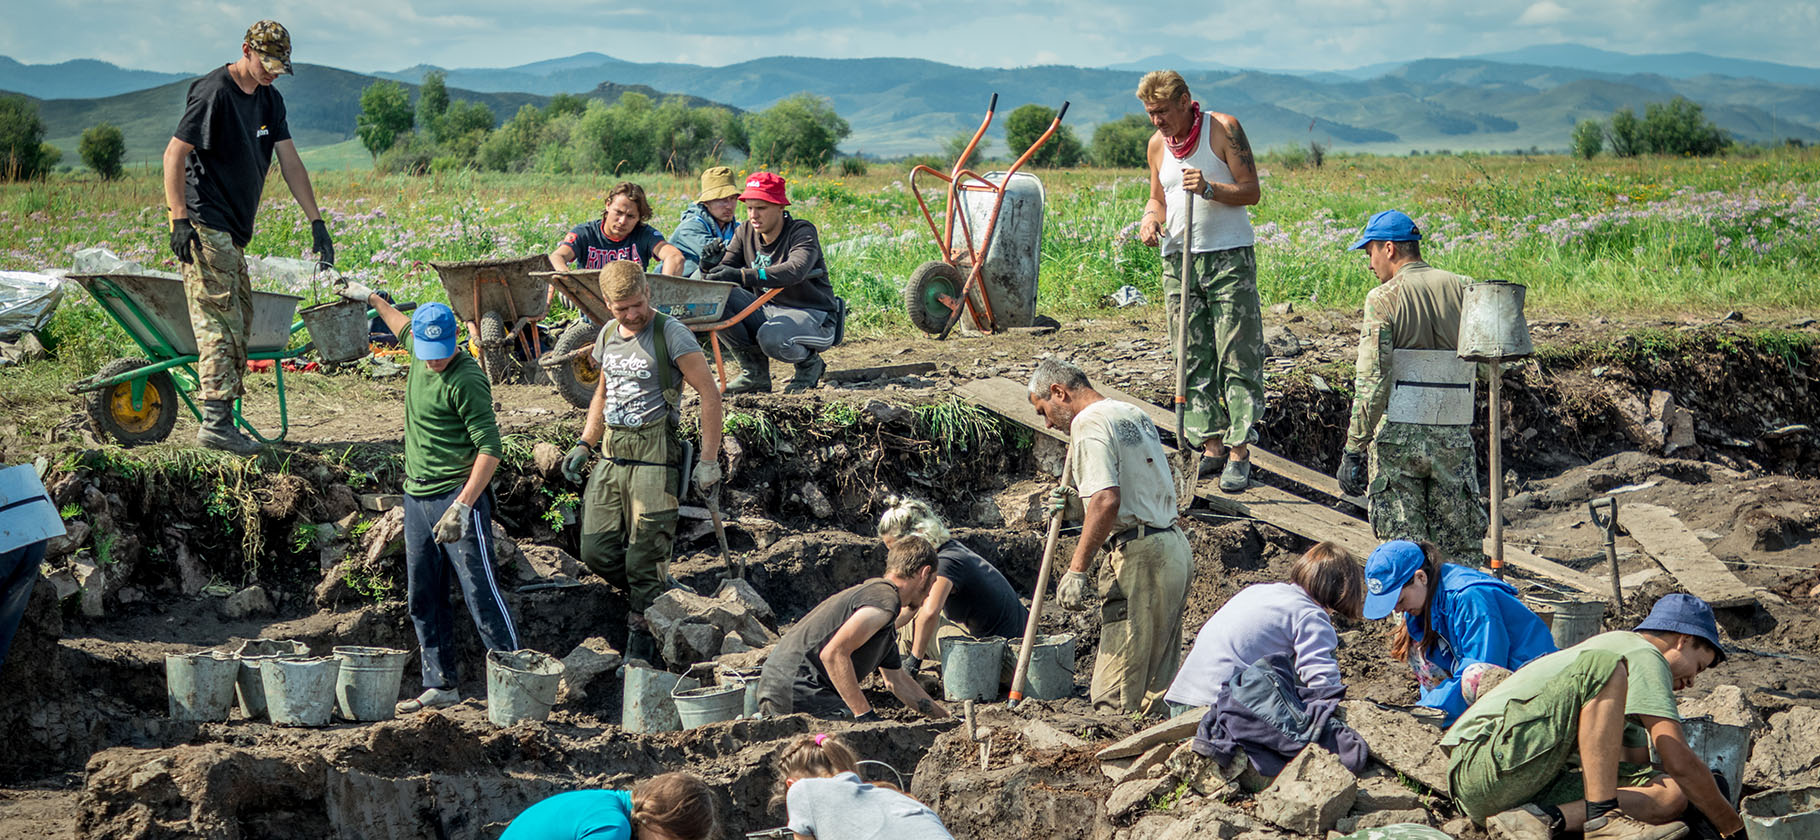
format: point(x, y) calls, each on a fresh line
point(1524, 98)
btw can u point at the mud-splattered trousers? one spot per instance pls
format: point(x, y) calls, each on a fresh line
point(1225, 348)
point(1143, 587)
point(221, 312)
point(628, 515)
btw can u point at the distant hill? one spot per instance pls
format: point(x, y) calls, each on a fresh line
point(1673, 65)
point(81, 78)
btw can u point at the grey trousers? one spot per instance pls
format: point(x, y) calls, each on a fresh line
point(784, 333)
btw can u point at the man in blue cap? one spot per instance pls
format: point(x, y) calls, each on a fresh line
point(1606, 701)
point(451, 448)
point(1412, 402)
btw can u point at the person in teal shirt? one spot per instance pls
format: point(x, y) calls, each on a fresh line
point(674, 806)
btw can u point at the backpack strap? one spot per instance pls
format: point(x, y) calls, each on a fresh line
point(672, 390)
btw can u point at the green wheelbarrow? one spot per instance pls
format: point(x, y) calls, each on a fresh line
point(135, 400)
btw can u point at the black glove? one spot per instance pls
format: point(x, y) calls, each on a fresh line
point(913, 663)
point(868, 716)
point(1352, 473)
point(724, 274)
point(711, 254)
point(183, 239)
point(321, 244)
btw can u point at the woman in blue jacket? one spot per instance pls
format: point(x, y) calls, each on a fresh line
point(1454, 617)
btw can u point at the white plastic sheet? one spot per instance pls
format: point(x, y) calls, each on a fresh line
point(27, 301)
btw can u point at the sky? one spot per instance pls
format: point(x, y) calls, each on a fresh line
point(189, 35)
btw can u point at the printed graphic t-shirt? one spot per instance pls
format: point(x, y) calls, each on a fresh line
point(1116, 445)
point(634, 391)
point(593, 249)
point(234, 133)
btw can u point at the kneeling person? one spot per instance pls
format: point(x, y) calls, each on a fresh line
point(969, 598)
point(628, 518)
point(817, 666)
point(775, 250)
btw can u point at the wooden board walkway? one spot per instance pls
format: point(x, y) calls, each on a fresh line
point(1670, 542)
point(1261, 501)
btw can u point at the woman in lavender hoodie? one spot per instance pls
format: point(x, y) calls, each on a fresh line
point(1265, 618)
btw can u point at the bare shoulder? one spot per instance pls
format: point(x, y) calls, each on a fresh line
point(1154, 149)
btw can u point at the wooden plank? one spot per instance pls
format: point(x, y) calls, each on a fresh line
point(1680, 552)
point(879, 372)
point(1009, 399)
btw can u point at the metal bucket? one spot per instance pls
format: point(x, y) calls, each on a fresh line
point(366, 688)
point(339, 330)
point(247, 684)
point(1051, 672)
point(1010, 272)
point(970, 667)
point(646, 705)
point(1785, 814)
point(708, 704)
point(747, 679)
point(1724, 747)
point(521, 685)
point(1492, 326)
point(200, 686)
point(300, 691)
point(1570, 622)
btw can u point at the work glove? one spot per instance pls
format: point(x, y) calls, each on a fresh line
point(867, 716)
point(913, 663)
point(183, 239)
point(576, 461)
point(321, 244)
point(1071, 593)
point(356, 292)
point(711, 255)
point(1352, 473)
point(724, 274)
point(1058, 501)
point(455, 524)
point(707, 474)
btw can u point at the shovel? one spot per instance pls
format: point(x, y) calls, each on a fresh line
point(1042, 587)
point(720, 536)
point(1189, 469)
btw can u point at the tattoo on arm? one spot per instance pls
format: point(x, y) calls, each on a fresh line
point(1242, 146)
point(926, 706)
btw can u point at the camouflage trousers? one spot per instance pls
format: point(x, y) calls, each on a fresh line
point(221, 312)
point(1225, 348)
point(1143, 588)
point(1425, 486)
point(628, 513)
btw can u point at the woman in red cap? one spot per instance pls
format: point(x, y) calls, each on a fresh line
point(775, 250)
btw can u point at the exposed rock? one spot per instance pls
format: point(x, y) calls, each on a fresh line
point(813, 498)
point(545, 562)
point(75, 536)
point(1400, 741)
point(1726, 705)
point(690, 627)
point(505, 549)
point(91, 582)
point(1041, 736)
point(1281, 343)
point(246, 603)
point(742, 591)
point(386, 536)
point(1122, 770)
point(1311, 794)
point(1789, 754)
point(732, 644)
point(750, 660)
point(1208, 778)
point(547, 458)
point(1380, 791)
point(593, 661)
point(1135, 794)
point(1458, 827)
point(1022, 503)
point(885, 412)
point(1379, 819)
point(381, 502)
point(1170, 731)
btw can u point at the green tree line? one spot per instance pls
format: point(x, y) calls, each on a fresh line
point(1676, 127)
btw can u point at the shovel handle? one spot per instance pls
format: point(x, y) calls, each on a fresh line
point(1042, 587)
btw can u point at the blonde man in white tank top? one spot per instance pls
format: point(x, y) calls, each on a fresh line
point(1205, 158)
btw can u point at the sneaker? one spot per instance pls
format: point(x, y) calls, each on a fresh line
point(1529, 822)
point(431, 698)
point(1236, 476)
point(1616, 825)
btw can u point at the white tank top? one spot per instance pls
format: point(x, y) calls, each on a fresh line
point(1217, 227)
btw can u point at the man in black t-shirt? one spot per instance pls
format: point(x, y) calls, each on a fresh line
point(214, 173)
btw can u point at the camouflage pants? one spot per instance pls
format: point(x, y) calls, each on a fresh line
point(1225, 354)
point(1425, 486)
point(628, 514)
point(1143, 588)
point(221, 312)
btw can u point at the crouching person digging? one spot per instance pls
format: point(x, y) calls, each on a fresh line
point(451, 448)
point(1605, 701)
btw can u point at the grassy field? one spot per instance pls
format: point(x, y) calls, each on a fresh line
point(1606, 237)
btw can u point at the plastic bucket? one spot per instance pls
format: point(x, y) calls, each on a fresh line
point(1785, 814)
point(300, 691)
point(970, 667)
point(1724, 747)
point(339, 330)
point(366, 687)
point(521, 685)
point(1569, 622)
point(247, 684)
point(200, 686)
point(647, 706)
point(1051, 672)
point(709, 704)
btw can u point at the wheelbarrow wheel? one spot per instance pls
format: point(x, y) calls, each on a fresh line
point(577, 377)
point(113, 412)
point(494, 354)
point(924, 291)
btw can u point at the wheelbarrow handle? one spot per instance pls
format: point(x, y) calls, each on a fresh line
point(1062, 113)
point(993, 105)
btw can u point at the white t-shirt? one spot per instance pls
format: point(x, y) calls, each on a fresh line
point(1116, 445)
point(845, 808)
point(1262, 619)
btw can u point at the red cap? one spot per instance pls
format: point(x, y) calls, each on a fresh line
point(765, 186)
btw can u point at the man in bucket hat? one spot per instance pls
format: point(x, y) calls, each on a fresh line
point(708, 224)
point(1605, 701)
point(451, 448)
point(774, 250)
point(214, 171)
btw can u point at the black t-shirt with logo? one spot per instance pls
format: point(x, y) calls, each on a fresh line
point(234, 133)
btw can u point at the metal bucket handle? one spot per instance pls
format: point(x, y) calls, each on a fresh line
point(685, 675)
point(900, 777)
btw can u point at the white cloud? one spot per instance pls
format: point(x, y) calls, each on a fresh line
point(1545, 13)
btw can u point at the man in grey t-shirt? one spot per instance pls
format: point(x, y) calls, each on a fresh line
point(628, 517)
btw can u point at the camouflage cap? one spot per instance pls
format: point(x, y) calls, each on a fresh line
point(272, 42)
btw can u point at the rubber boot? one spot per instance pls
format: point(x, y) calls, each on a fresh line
point(808, 374)
point(218, 431)
point(754, 372)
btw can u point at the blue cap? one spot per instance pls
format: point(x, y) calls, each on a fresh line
point(1388, 226)
point(1390, 567)
point(433, 332)
point(1685, 614)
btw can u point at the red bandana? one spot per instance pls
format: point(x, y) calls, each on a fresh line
point(1184, 147)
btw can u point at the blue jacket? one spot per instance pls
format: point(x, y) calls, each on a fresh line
point(1478, 619)
point(694, 231)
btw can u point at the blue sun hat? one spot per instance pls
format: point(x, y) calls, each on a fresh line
point(1689, 616)
point(433, 332)
point(1388, 226)
point(1390, 567)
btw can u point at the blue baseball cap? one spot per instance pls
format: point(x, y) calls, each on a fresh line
point(433, 332)
point(1390, 567)
point(1688, 615)
point(1388, 226)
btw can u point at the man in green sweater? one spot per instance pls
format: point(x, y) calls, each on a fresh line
point(451, 447)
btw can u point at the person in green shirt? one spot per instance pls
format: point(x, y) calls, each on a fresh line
point(451, 448)
point(1605, 702)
